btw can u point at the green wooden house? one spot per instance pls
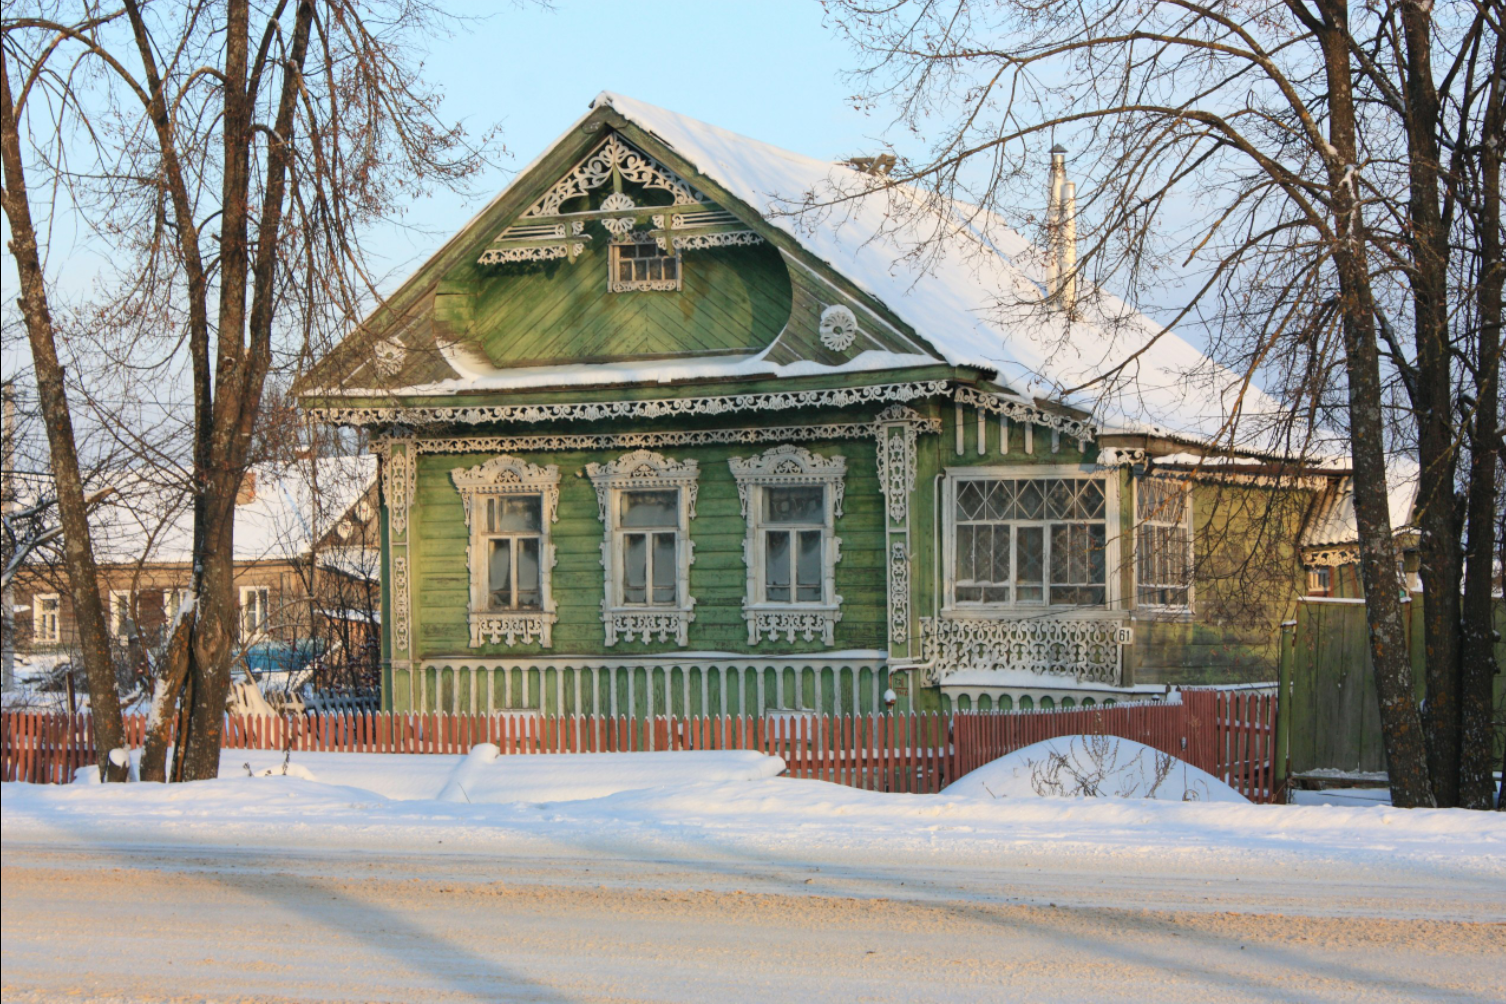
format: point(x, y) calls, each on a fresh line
point(651, 445)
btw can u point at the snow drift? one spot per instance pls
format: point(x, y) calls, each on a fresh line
point(1092, 767)
point(487, 777)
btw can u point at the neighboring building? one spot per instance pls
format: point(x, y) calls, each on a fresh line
point(648, 445)
point(1331, 539)
point(306, 549)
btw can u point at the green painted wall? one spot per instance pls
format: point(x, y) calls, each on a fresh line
point(717, 577)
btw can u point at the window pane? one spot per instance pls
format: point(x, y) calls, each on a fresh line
point(517, 514)
point(808, 567)
point(499, 574)
point(635, 568)
point(776, 566)
point(1030, 503)
point(528, 572)
point(1000, 555)
point(794, 505)
point(664, 568)
point(969, 500)
point(649, 509)
point(965, 544)
point(1030, 563)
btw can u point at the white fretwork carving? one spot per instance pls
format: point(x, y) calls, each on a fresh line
point(614, 154)
point(896, 460)
point(397, 485)
point(509, 476)
point(839, 328)
point(1119, 456)
point(1015, 411)
point(1332, 556)
point(655, 440)
point(541, 252)
point(515, 628)
point(789, 466)
point(899, 591)
point(726, 239)
point(844, 397)
point(619, 226)
point(1084, 649)
point(649, 626)
point(649, 471)
point(389, 355)
point(641, 466)
point(806, 623)
point(400, 624)
point(618, 202)
point(697, 220)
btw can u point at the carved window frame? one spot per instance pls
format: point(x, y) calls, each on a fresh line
point(639, 241)
point(1145, 538)
point(495, 478)
point(645, 470)
point(789, 466)
point(255, 614)
point(956, 476)
point(46, 625)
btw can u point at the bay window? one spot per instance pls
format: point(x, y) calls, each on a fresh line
point(1017, 542)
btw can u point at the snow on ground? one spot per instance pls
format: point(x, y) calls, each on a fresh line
point(382, 803)
point(1092, 766)
point(486, 776)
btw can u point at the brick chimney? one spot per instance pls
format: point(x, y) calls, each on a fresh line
point(246, 494)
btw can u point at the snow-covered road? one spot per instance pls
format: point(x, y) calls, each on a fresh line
point(135, 922)
point(384, 879)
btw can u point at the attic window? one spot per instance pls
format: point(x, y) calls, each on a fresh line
point(643, 266)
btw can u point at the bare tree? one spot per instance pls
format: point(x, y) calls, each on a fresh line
point(1284, 159)
point(229, 158)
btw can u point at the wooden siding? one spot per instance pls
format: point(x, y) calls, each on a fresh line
point(801, 338)
point(734, 300)
point(441, 591)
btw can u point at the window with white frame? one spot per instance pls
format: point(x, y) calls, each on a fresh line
point(638, 266)
point(1163, 543)
point(255, 611)
point(1319, 580)
point(510, 506)
point(790, 499)
point(646, 504)
point(46, 610)
point(1017, 541)
point(120, 613)
point(173, 603)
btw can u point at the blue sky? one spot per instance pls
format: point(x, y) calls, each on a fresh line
point(768, 69)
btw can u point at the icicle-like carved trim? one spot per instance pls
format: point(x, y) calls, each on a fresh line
point(599, 411)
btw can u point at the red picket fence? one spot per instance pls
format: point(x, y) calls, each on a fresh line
point(1228, 735)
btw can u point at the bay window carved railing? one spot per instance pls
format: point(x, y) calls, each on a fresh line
point(1085, 649)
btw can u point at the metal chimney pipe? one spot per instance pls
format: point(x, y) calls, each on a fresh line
point(1067, 270)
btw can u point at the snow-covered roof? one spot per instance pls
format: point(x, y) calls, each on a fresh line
point(977, 300)
point(150, 514)
point(1333, 521)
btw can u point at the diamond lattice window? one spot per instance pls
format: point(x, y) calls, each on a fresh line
point(1029, 542)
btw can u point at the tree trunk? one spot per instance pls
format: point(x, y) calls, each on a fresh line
point(1437, 439)
point(165, 690)
point(1401, 727)
point(73, 512)
point(1478, 664)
